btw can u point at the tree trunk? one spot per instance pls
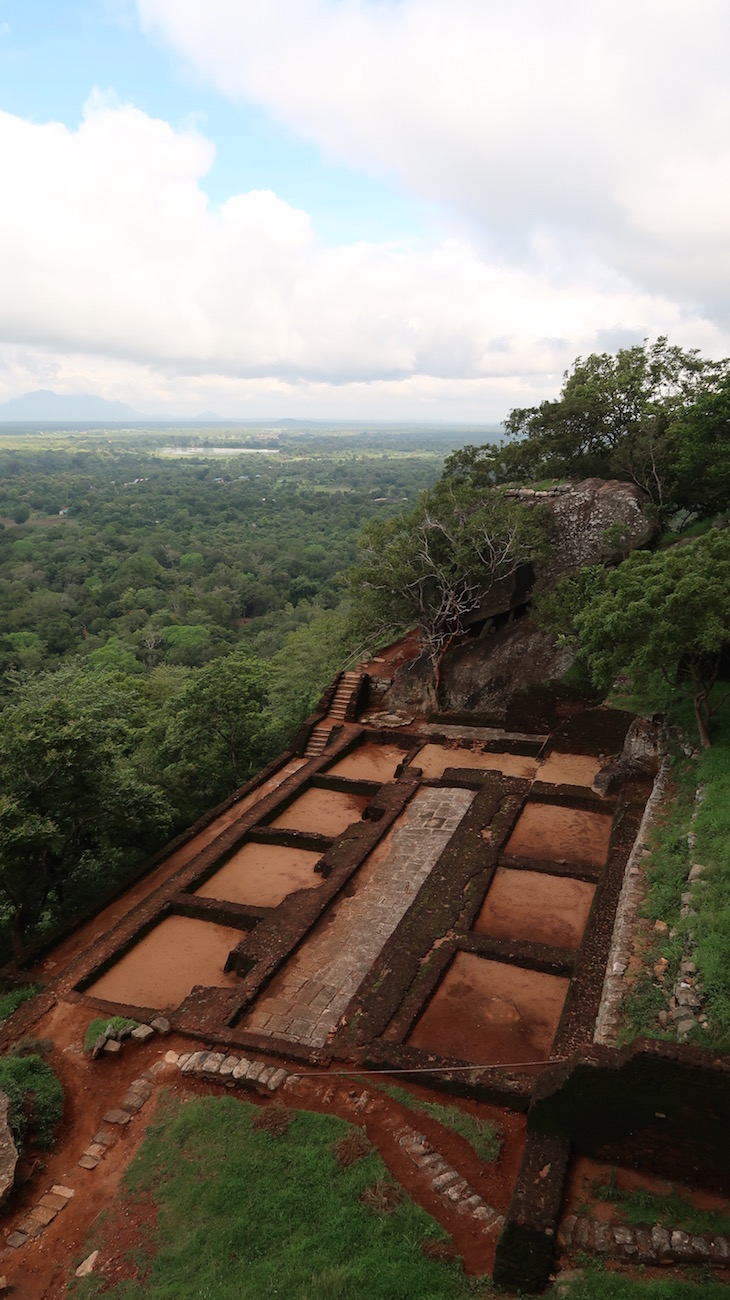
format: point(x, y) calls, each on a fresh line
point(17, 934)
point(702, 714)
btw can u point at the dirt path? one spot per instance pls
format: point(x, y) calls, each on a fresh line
point(42, 1269)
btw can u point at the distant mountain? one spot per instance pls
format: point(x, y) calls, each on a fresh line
point(44, 404)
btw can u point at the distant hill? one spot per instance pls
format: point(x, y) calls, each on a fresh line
point(44, 404)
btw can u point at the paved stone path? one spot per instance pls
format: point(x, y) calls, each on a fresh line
point(306, 1000)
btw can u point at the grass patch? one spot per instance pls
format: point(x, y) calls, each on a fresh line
point(668, 868)
point(597, 1284)
point(673, 1210)
point(13, 998)
point(96, 1029)
point(244, 1214)
point(36, 1099)
point(484, 1137)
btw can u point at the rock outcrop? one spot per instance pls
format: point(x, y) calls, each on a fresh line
point(8, 1151)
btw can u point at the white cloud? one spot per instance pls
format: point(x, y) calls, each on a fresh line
point(603, 125)
point(117, 275)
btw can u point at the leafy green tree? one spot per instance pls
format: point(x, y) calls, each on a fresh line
point(219, 737)
point(435, 565)
point(71, 799)
point(654, 414)
point(666, 612)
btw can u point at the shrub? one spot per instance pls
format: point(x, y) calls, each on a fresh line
point(36, 1099)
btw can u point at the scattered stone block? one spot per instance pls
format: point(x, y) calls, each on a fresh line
point(240, 1070)
point(228, 1065)
point(266, 1074)
point(43, 1214)
point(161, 1025)
point(112, 1046)
point(59, 1190)
point(105, 1137)
point(88, 1162)
point(661, 1243)
point(95, 1149)
point(154, 1070)
point(142, 1033)
point(682, 1245)
point(701, 1248)
point(116, 1116)
point(133, 1102)
point(443, 1180)
point(644, 1247)
point(720, 1250)
point(172, 1058)
point(199, 1067)
point(583, 1235)
point(255, 1069)
point(85, 1269)
point(602, 1238)
point(213, 1062)
point(182, 1060)
point(31, 1227)
point(276, 1080)
point(17, 1239)
point(51, 1201)
point(191, 1062)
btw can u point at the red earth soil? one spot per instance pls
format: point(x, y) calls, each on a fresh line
point(263, 875)
point(43, 1268)
point(163, 968)
point(434, 759)
point(327, 812)
point(491, 1013)
point(584, 1172)
point(569, 769)
point(535, 907)
point(553, 833)
point(369, 762)
point(63, 953)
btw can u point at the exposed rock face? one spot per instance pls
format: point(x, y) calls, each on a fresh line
point(639, 757)
point(8, 1151)
point(597, 520)
point(482, 676)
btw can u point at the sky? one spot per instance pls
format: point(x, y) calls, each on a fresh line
point(360, 209)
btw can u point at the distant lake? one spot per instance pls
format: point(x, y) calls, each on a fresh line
point(219, 451)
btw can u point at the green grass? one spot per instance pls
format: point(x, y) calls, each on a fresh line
point(484, 1137)
point(244, 1214)
point(597, 1284)
point(12, 999)
point(668, 867)
point(36, 1099)
point(96, 1028)
point(672, 1210)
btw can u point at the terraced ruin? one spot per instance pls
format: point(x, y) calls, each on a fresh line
point(431, 898)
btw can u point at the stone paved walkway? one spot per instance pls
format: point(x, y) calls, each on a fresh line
point(305, 1002)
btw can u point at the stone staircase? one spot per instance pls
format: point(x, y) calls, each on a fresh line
point(348, 684)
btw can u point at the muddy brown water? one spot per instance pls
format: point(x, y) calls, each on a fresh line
point(163, 968)
point(100, 924)
point(489, 1013)
point(535, 907)
point(369, 762)
point(325, 812)
point(553, 833)
point(570, 769)
point(263, 875)
point(434, 759)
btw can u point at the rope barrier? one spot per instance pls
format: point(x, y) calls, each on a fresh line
point(427, 1069)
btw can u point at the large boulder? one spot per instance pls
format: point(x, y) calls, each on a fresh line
point(481, 676)
point(597, 520)
point(8, 1151)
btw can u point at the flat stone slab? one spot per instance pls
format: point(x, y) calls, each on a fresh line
point(43, 1214)
point(52, 1201)
point(95, 1149)
point(88, 1162)
point(142, 1033)
point(116, 1116)
point(106, 1137)
point(59, 1190)
point(31, 1227)
point(17, 1239)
